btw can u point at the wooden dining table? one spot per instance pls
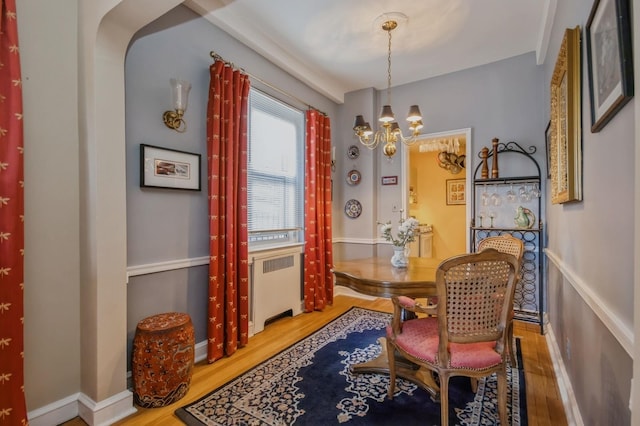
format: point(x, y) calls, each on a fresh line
point(375, 276)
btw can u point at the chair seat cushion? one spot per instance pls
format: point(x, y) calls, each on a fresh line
point(419, 338)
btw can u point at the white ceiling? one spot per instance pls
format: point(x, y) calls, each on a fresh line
point(337, 46)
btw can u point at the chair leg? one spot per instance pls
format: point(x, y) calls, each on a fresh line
point(444, 398)
point(392, 368)
point(474, 384)
point(502, 398)
point(510, 344)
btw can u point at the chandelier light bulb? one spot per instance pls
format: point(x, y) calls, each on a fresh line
point(416, 126)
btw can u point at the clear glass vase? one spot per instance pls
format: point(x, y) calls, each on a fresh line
point(400, 258)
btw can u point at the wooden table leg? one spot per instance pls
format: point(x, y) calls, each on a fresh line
point(406, 369)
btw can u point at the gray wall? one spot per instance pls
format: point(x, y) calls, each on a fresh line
point(165, 225)
point(363, 227)
point(590, 247)
point(501, 99)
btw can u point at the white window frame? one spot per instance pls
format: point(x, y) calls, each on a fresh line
point(287, 232)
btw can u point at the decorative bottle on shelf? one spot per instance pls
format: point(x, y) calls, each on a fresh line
point(494, 164)
point(484, 153)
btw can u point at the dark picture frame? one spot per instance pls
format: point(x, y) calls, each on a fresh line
point(547, 142)
point(609, 60)
point(389, 180)
point(456, 192)
point(169, 168)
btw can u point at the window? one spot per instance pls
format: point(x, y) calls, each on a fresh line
point(275, 172)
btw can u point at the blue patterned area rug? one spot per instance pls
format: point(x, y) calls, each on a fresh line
point(309, 383)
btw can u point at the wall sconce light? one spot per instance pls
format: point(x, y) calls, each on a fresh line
point(333, 159)
point(179, 94)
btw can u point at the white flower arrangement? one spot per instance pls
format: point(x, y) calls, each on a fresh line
point(406, 232)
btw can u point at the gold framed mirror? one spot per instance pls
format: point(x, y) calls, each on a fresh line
point(566, 136)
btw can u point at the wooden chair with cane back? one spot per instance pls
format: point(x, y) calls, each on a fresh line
point(468, 335)
point(506, 243)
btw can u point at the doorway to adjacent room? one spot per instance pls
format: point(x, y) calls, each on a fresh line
point(436, 192)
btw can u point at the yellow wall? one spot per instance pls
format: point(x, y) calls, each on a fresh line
point(429, 182)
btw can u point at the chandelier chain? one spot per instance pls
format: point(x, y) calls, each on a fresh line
point(389, 69)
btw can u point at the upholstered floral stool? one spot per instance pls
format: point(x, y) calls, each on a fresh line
point(162, 361)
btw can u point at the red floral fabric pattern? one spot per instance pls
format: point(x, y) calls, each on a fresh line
point(227, 109)
point(318, 252)
point(12, 403)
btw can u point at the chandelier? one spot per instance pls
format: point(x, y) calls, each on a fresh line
point(390, 132)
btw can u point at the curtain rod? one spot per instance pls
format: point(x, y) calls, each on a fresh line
point(215, 56)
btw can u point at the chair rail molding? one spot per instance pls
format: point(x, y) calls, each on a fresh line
point(169, 265)
point(348, 240)
point(621, 331)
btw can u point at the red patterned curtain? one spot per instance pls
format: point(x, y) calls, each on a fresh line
point(13, 410)
point(318, 251)
point(228, 326)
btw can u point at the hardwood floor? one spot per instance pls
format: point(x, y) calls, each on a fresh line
point(544, 404)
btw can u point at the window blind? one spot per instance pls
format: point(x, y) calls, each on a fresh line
point(275, 171)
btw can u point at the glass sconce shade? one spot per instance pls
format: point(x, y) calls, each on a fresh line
point(180, 93)
point(179, 97)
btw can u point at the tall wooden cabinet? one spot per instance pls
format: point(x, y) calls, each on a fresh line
point(511, 203)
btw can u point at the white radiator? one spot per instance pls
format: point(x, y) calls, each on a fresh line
point(275, 285)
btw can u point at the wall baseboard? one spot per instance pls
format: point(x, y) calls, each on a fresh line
point(200, 351)
point(94, 413)
point(55, 413)
point(107, 411)
point(564, 384)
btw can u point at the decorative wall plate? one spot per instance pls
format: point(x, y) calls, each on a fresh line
point(353, 177)
point(353, 208)
point(353, 152)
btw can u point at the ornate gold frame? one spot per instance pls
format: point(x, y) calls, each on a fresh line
point(566, 122)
